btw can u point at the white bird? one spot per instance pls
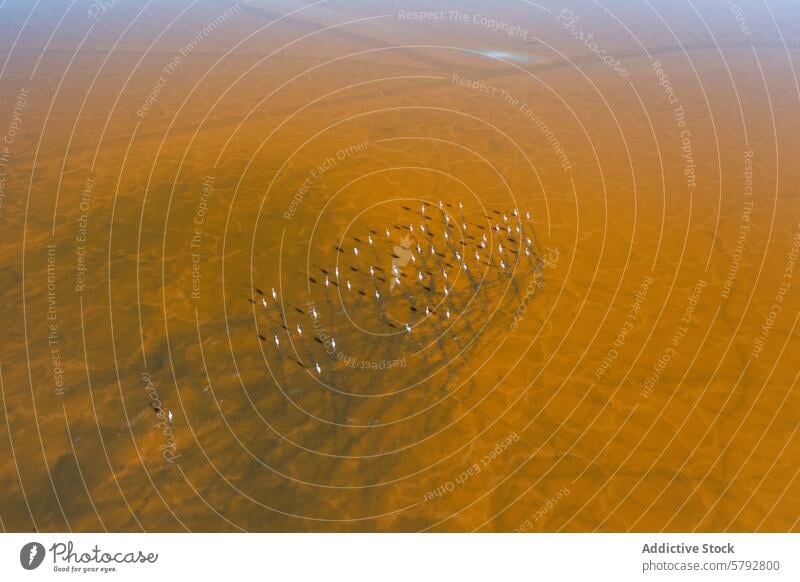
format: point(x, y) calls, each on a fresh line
point(419, 276)
point(377, 295)
point(299, 330)
point(349, 286)
point(497, 227)
point(440, 203)
point(423, 209)
point(446, 236)
point(447, 313)
point(458, 256)
point(170, 416)
point(314, 313)
point(337, 272)
point(508, 230)
point(394, 269)
point(388, 234)
point(419, 248)
point(464, 226)
point(371, 271)
point(433, 250)
point(411, 227)
point(422, 227)
point(499, 247)
point(515, 212)
point(460, 206)
point(527, 252)
point(502, 265)
point(527, 240)
point(333, 343)
point(369, 238)
point(484, 237)
point(355, 251)
point(396, 281)
point(264, 302)
point(413, 258)
point(427, 311)
point(408, 328)
point(274, 295)
point(527, 215)
point(277, 342)
point(444, 273)
point(327, 282)
point(505, 218)
point(316, 366)
point(464, 266)
point(477, 256)
point(483, 244)
point(446, 292)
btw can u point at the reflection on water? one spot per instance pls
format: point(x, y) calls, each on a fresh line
point(507, 56)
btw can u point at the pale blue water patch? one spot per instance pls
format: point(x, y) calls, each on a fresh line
point(507, 56)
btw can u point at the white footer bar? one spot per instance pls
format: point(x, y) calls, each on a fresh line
point(401, 557)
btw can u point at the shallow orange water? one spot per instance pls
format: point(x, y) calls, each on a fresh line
point(168, 170)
